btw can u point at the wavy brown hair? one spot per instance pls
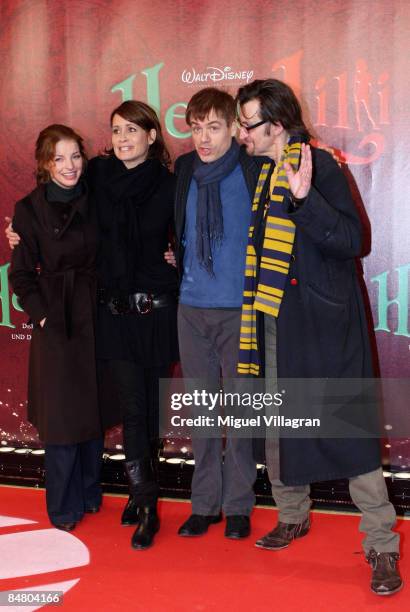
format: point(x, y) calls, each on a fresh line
point(46, 148)
point(146, 118)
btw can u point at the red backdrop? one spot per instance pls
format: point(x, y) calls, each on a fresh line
point(73, 61)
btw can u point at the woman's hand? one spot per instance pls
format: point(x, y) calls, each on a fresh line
point(11, 236)
point(300, 181)
point(42, 322)
point(169, 256)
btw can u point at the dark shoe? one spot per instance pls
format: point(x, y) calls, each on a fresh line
point(237, 526)
point(386, 579)
point(283, 534)
point(65, 526)
point(92, 510)
point(149, 525)
point(198, 524)
point(130, 516)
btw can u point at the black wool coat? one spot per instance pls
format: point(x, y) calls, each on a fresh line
point(53, 274)
point(322, 329)
point(149, 340)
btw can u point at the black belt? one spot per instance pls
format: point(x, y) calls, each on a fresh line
point(136, 303)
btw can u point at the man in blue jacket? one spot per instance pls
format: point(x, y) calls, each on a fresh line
point(215, 185)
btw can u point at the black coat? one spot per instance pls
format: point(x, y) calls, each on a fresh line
point(149, 340)
point(62, 395)
point(322, 330)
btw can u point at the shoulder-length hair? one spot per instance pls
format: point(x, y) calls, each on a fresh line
point(46, 148)
point(278, 104)
point(146, 118)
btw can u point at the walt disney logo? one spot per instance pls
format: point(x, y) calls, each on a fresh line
point(215, 75)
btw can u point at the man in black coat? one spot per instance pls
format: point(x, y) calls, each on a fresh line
point(303, 291)
point(215, 185)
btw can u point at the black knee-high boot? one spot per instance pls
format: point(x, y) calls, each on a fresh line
point(142, 504)
point(143, 489)
point(131, 510)
point(144, 492)
point(143, 536)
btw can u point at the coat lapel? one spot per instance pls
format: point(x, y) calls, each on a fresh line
point(80, 207)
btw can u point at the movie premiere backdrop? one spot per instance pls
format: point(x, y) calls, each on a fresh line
point(73, 61)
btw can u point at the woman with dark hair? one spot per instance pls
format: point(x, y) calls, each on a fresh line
point(53, 275)
point(136, 331)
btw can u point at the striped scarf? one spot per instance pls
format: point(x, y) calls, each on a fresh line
point(266, 295)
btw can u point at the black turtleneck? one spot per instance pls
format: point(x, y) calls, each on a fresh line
point(55, 193)
point(62, 198)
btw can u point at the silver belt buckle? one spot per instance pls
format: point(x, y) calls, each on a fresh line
point(143, 303)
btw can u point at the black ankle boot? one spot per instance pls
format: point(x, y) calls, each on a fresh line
point(130, 515)
point(148, 526)
point(139, 472)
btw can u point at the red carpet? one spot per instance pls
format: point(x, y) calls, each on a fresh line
point(324, 571)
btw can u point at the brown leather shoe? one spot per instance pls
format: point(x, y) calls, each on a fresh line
point(386, 579)
point(283, 534)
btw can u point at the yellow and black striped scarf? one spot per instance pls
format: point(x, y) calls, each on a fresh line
point(266, 295)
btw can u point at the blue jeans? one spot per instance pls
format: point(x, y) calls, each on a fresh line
point(72, 479)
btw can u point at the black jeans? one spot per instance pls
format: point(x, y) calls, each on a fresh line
point(138, 394)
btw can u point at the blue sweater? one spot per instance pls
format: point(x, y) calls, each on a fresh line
point(225, 288)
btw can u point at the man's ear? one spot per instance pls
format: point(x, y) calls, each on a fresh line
point(277, 128)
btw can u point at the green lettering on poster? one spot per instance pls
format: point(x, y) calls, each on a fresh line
point(15, 303)
point(170, 117)
point(152, 76)
point(125, 87)
point(5, 297)
point(401, 301)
